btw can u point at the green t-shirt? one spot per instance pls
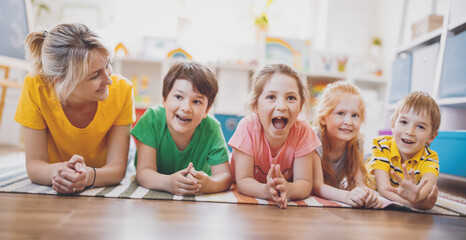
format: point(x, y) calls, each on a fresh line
point(206, 148)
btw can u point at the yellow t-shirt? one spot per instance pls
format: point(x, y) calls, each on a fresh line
point(39, 108)
point(386, 157)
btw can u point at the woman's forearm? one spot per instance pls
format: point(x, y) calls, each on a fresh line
point(110, 174)
point(41, 172)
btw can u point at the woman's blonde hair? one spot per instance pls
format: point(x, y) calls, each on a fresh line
point(266, 73)
point(328, 100)
point(61, 56)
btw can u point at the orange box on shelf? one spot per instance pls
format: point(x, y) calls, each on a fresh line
point(139, 113)
point(426, 24)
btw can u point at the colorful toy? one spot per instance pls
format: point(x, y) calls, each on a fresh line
point(179, 53)
point(121, 50)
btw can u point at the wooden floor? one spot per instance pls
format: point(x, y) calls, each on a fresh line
point(31, 216)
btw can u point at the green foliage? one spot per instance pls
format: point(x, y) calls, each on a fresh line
point(262, 20)
point(377, 41)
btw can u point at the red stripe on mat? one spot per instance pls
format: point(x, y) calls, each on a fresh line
point(326, 203)
point(243, 199)
point(452, 198)
point(301, 203)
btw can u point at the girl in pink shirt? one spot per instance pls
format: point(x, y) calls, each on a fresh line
point(272, 149)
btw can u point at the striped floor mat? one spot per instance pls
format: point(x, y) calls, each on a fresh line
point(14, 179)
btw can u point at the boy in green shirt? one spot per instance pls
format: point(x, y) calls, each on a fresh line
point(180, 148)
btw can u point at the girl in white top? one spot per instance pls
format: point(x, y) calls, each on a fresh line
point(340, 173)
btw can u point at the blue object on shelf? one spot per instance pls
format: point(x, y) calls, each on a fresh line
point(449, 146)
point(453, 83)
point(401, 77)
point(229, 124)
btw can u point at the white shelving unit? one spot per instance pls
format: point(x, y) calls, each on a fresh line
point(421, 41)
point(233, 80)
point(429, 77)
point(234, 87)
point(438, 60)
point(139, 70)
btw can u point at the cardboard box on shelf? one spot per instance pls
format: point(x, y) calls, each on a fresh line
point(426, 24)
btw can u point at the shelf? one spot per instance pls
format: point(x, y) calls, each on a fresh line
point(15, 63)
point(391, 106)
point(326, 77)
point(339, 75)
point(142, 105)
point(216, 110)
point(371, 82)
point(421, 41)
point(370, 79)
point(138, 60)
point(458, 26)
point(8, 83)
point(233, 67)
point(459, 102)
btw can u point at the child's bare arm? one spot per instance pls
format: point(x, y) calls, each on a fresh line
point(148, 177)
point(355, 198)
point(427, 189)
point(430, 200)
point(247, 185)
point(301, 187)
point(220, 180)
point(321, 189)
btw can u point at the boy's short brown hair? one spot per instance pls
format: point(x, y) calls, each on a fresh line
point(202, 78)
point(419, 102)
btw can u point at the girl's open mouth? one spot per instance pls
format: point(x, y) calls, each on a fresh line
point(279, 122)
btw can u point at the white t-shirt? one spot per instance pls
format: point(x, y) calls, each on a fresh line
point(338, 165)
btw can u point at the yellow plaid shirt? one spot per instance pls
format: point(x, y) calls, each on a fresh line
point(385, 156)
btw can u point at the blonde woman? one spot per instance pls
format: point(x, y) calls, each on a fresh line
point(76, 115)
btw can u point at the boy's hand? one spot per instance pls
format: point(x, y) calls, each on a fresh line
point(407, 188)
point(201, 177)
point(182, 185)
point(282, 187)
point(271, 186)
point(356, 197)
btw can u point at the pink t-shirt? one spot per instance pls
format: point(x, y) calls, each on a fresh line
point(249, 138)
